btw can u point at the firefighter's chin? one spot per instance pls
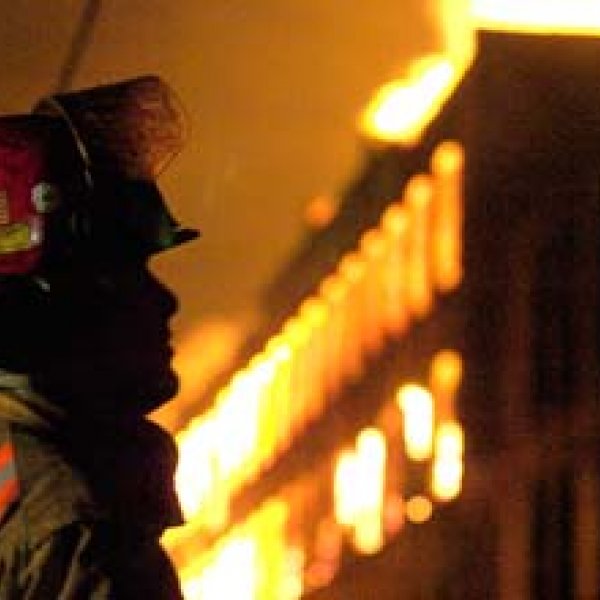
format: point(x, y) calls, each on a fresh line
point(102, 392)
point(131, 399)
point(158, 390)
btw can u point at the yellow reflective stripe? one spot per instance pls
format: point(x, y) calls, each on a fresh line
point(15, 237)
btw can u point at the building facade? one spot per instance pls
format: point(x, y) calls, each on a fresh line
point(418, 415)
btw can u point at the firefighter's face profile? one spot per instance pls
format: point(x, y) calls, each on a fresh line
point(114, 351)
point(80, 215)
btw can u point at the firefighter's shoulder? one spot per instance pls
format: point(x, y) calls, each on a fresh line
point(45, 491)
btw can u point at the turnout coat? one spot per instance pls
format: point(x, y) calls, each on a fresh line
point(83, 505)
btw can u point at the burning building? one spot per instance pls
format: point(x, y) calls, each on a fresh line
point(417, 417)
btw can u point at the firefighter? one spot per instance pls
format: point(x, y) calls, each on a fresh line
point(86, 480)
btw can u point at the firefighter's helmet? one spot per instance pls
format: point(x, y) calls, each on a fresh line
point(78, 175)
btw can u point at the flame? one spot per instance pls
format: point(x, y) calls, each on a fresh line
point(237, 556)
point(216, 341)
point(255, 552)
point(416, 404)
point(359, 485)
point(447, 164)
point(344, 481)
point(418, 198)
point(579, 17)
point(372, 293)
point(419, 509)
point(196, 476)
point(448, 466)
point(320, 211)
point(371, 456)
point(402, 109)
point(456, 31)
point(445, 376)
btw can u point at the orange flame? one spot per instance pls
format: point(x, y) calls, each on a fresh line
point(578, 17)
point(401, 110)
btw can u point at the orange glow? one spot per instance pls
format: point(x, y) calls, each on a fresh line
point(373, 244)
point(394, 513)
point(359, 485)
point(278, 418)
point(264, 366)
point(352, 269)
point(448, 158)
point(456, 28)
point(368, 533)
point(196, 476)
point(447, 164)
point(216, 341)
point(418, 196)
point(320, 211)
point(328, 541)
point(315, 311)
point(263, 369)
point(334, 291)
point(227, 445)
point(444, 379)
point(446, 370)
point(372, 293)
point(319, 574)
point(369, 491)
point(418, 509)
point(237, 555)
point(374, 248)
point(416, 404)
point(447, 478)
point(296, 333)
point(247, 396)
point(449, 440)
point(448, 465)
point(236, 421)
point(316, 314)
point(579, 17)
point(247, 564)
point(292, 587)
point(394, 224)
point(401, 110)
point(345, 477)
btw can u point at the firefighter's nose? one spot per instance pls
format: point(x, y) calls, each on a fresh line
point(165, 298)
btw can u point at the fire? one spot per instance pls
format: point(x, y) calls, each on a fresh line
point(579, 17)
point(448, 466)
point(402, 109)
point(359, 490)
point(417, 406)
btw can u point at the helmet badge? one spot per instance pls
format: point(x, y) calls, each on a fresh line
point(45, 197)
